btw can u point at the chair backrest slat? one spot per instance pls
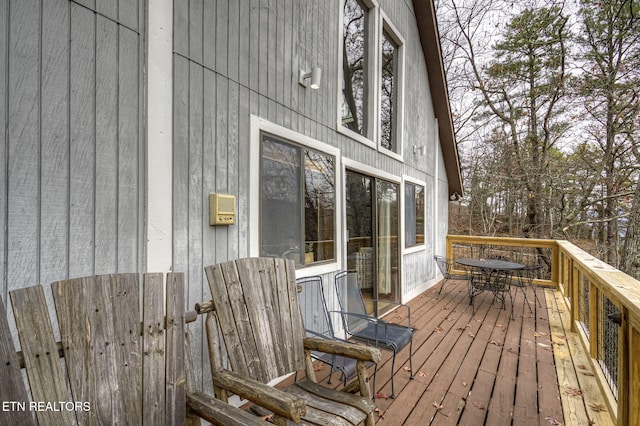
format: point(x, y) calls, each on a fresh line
point(44, 371)
point(175, 353)
point(13, 389)
point(153, 345)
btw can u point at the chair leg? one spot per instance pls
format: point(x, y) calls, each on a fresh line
point(393, 364)
point(442, 285)
point(411, 358)
point(511, 299)
point(535, 293)
point(524, 291)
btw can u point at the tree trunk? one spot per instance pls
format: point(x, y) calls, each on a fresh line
point(630, 257)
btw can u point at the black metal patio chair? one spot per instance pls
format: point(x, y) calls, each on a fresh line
point(445, 266)
point(317, 323)
point(525, 279)
point(497, 282)
point(368, 329)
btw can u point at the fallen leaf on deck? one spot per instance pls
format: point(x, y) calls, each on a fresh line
point(381, 395)
point(553, 421)
point(562, 337)
point(544, 345)
point(558, 343)
point(587, 373)
point(597, 407)
point(499, 325)
point(438, 406)
point(267, 418)
point(318, 367)
point(477, 405)
point(407, 369)
point(573, 391)
point(472, 335)
point(464, 384)
point(539, 334)
point(422, 374)
point(379, 412)
point(439, 329)
point(493, 342)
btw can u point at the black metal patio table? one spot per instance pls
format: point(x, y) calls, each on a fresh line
point(493, 275)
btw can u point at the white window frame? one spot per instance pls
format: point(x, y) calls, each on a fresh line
point(386, 25)
point(372, 94)
point(417, 247)
point(259, 126)
point(379, 22)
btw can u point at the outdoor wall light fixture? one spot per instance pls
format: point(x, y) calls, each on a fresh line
point(314, 77)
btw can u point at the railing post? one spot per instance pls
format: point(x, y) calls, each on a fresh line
point(623, 366)
point(632, 404)
point(555, 266)
point(575, 294)
point(594, 313)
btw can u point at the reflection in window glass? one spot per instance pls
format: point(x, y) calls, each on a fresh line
point(280, 200)
point(319, 207)
point(291, 176)
point(354, 66)
point(413, 215)
point(388, 93)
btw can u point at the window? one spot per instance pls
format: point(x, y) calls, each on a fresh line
point(355, 67)
point(372, 72)
point(388, 91)
point(297, 202)
point(413, 214)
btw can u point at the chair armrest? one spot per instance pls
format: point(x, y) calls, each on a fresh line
point(220, 413)
point(276, 400)
point(349, 350)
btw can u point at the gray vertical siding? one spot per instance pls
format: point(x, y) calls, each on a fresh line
point(71, 156)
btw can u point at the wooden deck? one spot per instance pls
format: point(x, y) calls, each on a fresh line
point(488, 369)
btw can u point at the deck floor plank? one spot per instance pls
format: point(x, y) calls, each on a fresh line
point(577, 377)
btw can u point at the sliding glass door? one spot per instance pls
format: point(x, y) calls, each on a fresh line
point(372, 249)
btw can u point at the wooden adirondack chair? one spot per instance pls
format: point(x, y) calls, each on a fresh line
point(118, 370)
point(255, 312)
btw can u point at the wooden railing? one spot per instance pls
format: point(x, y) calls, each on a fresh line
point(604, 304)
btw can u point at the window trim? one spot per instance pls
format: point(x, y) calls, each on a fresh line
point(258, 127)
point(417, 247)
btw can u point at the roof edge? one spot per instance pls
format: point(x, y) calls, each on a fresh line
point(425, 14)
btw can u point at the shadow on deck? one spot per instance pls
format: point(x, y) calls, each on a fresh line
point(488, 369)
